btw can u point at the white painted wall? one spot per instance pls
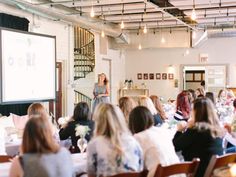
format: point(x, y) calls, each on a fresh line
point(220, 51)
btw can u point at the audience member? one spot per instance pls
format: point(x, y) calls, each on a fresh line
point(157, 103)
point(199, 92)
point(156, 142)
point(113, 149)
point(192, 95)
point(183, 107)
point(203, 136)
point(222, 96)
point(211, 96)
point(147, 102)
point(41, 156)
point(81, 116)
point(126, 105)
point(39, 109)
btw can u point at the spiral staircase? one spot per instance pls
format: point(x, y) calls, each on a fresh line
point(84, 52)
point(84, 59)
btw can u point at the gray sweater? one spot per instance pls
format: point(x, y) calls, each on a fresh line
point(48, 165)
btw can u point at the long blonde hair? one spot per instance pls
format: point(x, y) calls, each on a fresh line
point(157, 103)
point(147, 102)
point(126, 105)
point(110, 123)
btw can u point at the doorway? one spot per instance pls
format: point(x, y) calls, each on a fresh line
point(55, 107)
point(213, 75)
point(193, 76)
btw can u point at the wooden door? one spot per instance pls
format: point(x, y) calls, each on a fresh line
point(55, 107)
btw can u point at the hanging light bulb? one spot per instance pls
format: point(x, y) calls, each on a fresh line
point(145, 29)
point(193, 15)
point(163, 40)
point(139, 47)
point(92, 14)
point(194, 35)
point(187, 52)
point(102, 34)
point(122, 25)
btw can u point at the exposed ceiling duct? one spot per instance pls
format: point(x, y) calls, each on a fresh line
point(219, 34)
point(54, 14)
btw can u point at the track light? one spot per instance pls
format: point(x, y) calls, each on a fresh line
point(193, 15)
point(103, 34)
point(92, 14)
point(139, 47)
point(122, 25)
point(163, 40)
point(145, 29)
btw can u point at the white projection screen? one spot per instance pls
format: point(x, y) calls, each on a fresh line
point(28, 67)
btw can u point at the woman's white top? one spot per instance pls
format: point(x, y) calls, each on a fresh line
point(158, 148)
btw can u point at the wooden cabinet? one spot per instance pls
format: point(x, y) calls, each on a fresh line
point(134, 92)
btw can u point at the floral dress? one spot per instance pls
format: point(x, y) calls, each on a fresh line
point(103, 160)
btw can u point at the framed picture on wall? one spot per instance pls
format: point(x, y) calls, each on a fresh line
point(139, 76)
point(170, 76)
point(145, 76)
point(151, 76)
point(158, 76)
point(164, 76)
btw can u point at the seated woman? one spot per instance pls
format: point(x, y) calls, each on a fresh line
point(41, 156)
point(203, 136)
point(81, 116)
point(113, 149)
point(199, 92)
point(126, 105)
point(222, 97)
point(157, 103)
point(211, 96)
point(147, 102)
point(183, 107)
point(39, 109)
point(156, 142)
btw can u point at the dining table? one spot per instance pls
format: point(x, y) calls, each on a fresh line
point(79, 165)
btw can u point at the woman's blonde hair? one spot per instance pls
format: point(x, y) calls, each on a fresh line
point(147, 102)
point(37, 136)
point(157, 103)
point(110, 123)
point(205, 117)
point(126, 105)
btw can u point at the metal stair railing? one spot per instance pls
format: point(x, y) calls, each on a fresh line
point(80, 97)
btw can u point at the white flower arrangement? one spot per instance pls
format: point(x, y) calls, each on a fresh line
point(63, 120)
point(81, 130)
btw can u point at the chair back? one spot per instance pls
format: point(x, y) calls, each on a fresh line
point(5, 158)
point(132, 174)
point(219, 161)
point(188, 168)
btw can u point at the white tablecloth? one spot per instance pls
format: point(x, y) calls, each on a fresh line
point(79, 165)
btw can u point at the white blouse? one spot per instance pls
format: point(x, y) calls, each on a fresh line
point(158, 148)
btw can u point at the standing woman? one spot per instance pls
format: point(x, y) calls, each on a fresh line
point(101, 91)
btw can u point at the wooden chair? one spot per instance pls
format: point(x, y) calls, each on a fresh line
point(132, 174)
point(219, 161)
point(5, 158)
point(188, 168)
